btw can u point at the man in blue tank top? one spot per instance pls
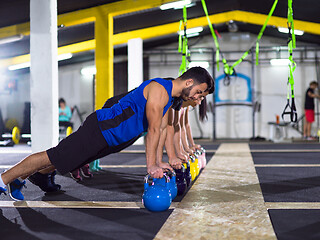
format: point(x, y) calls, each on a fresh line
point(107, 130)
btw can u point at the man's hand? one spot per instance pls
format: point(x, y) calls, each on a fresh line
point(165, 166)
point(175, 163)
point(155, 171)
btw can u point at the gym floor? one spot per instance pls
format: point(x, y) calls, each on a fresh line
point(247, 191)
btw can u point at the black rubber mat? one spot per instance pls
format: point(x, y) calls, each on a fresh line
point(210, 146)
point(116, 184)
point(111, 184)
point(124, 158)
point(290, 184)
point(286, 158)
point(269, 146)
point(12, 158)
point(77, 224)
point(293, 224)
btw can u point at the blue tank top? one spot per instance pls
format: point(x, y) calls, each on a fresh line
point(127, 119)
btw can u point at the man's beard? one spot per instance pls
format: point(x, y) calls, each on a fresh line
point(186, 93)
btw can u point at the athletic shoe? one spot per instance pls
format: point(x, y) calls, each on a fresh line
point(97, 162)
point(92, 167)
point(52, 176)
point(76, 175)
point(85, 171)
point(44, 182)
point(14, 189)
point(3, 190)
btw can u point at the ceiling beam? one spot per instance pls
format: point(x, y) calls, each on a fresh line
point(87, 15)
point(172, 28)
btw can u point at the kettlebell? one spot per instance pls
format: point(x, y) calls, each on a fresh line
point(187, 174)
point(198, 155)
point(180, 180)
point(193, 170)
point(203, 156)
point(196, 161)
point(157, 197)
point(172, 183)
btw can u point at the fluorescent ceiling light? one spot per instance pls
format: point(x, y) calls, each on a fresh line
point(279, 62)
point(11, 39)
point(193, 35)
point(64, 56)
point(88, 71)
point(286, 30)
point(187, 6)
point(203, 64)
point(19, 66)
point(176, 5)
point(191, 31)
point(60, 57)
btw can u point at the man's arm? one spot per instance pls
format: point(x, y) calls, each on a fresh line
point(163, 136)
point(188, 131)
point(174, 161)
point(184, 139)
point(177, 138)
point(157, 98)
point(313, 95)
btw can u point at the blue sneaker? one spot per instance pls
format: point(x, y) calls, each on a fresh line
point(3, 190)
point(14, 189)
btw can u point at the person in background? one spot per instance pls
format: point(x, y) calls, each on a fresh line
point(309, 109)
point(65, 114)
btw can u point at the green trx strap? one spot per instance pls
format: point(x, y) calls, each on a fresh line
point(229, 69)
point(292, 67)
point(180, 36)
point(290, 23)
point(262, 30)
point(204, 6)
point(183, 47)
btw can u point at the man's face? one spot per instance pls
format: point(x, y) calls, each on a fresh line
point(194, 92)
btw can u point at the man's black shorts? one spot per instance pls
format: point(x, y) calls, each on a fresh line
point(81, 147)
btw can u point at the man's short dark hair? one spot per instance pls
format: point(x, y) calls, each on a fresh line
point(199, 75)
point(314, 83)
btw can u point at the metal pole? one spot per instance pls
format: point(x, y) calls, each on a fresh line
point(253, 93)
point(318, 79)
point(213, 98)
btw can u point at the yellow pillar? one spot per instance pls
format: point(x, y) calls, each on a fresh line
point(103, 58)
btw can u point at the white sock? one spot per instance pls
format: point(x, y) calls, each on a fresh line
point(1, 182)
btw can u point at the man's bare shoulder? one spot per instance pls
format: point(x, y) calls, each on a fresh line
point(155, 90)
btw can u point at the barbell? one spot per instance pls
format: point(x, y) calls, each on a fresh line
point(16, 135)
